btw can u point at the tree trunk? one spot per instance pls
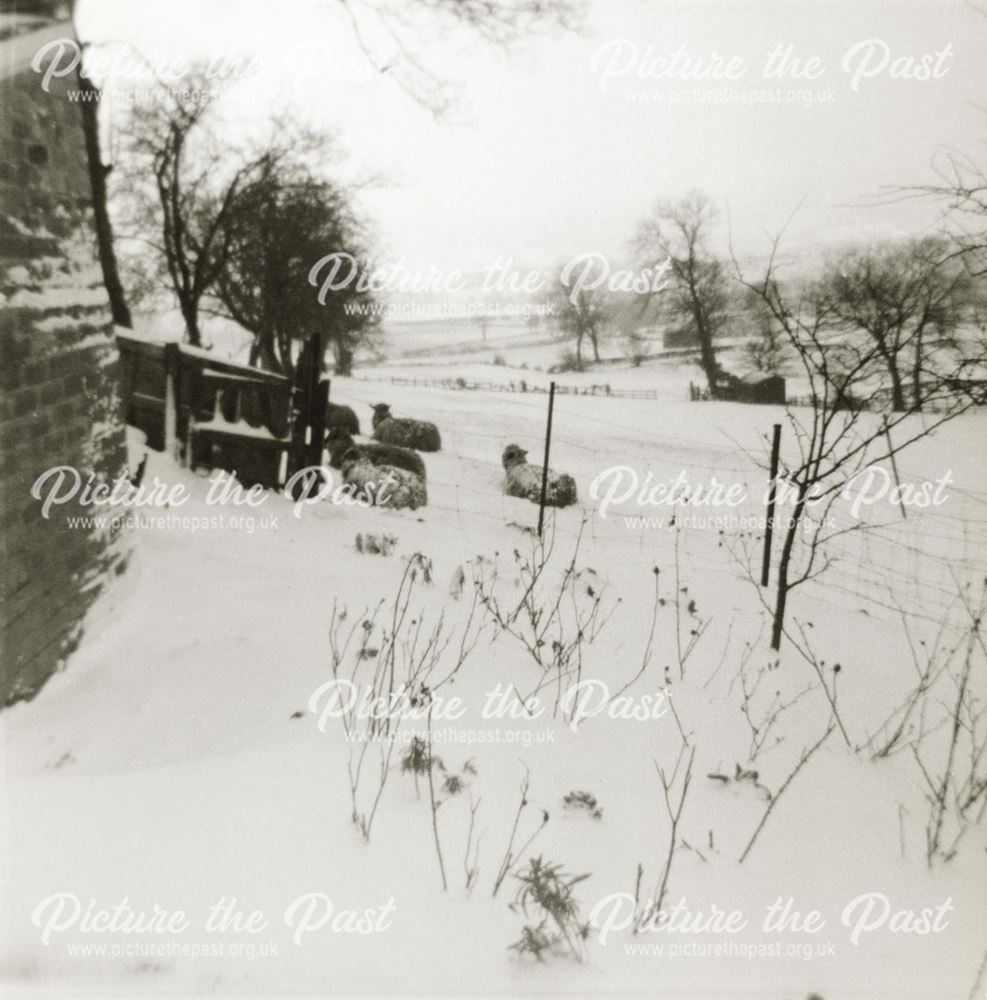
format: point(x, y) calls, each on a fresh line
point(282, 340)
point(89, 106)
point(781, 599)
point(891, 363)
point(707, 356)
point(344, 359)
point(709, 365)
point(262, 353)
point(190, 313)
point(897, 390)
point(917, 373)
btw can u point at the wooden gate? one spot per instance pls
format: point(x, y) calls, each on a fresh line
point(212, 413)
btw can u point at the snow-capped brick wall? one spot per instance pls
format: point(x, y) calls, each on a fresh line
point(59, 402)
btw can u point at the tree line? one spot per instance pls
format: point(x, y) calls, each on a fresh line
point(918, 302)
point(232, 230)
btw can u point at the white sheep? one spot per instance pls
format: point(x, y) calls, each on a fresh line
point(524, 480)
point(404, 432)
point(387, 485)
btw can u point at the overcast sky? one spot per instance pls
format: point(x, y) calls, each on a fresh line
point(553, 152)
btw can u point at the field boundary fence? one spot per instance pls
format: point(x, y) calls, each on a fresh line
point(892, 563)
point(599, 389)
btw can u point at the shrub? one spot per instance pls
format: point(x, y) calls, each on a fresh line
point(375, 545)
point(569, 362)
point(637, 347)
point(584, 801)
point(417, 758)
point(545, 894)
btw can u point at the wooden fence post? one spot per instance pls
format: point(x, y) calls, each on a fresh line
point(317, 419)
point(772, 488)
point(171, 439)
point(544, 468)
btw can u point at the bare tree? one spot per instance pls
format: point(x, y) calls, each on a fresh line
point(908, 298)
point(676, 236)
point(834, 443)
point(634, 318)
point(189, 247)
point(581, 313)
point(637, 346)
point(184, 182)
point(961, 185)
point(278, 227)
point(766, 350)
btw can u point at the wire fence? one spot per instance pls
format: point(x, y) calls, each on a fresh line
point(603, 389)
point(876, 403)
point(912, 564)
point(879, 403)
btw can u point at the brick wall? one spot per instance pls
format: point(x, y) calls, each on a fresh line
point(59, 403)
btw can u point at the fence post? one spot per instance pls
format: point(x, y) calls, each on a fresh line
point(299, 408)
point(544, 468)
point(772, 486)
point(317, 419)
point(171, 436)
point(311, 394)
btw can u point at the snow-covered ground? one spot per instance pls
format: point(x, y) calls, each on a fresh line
point(178, 760)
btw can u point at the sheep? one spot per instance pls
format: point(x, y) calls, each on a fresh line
point(339, 442)
point(385, 485)
point(343, 417)
point(418, 434)
point(524, 480)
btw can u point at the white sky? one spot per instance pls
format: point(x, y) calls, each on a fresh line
point(544, 164)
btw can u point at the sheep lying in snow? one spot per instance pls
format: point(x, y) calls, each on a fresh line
point(524, 480)
point(339, 443)
point(418, 434)
point(342, 417)
point(384, 485)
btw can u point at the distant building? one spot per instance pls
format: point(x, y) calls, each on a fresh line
point(760, 388)
point(754, 388)
point(675, 338)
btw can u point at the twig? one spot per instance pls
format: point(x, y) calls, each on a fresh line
point(976, 992)
point(509, 856)
point(806, 756)
point(472, 867)
point(674, 814)
point(434, 805)
point(809, 656)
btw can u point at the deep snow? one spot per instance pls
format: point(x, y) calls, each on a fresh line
point(166, 763)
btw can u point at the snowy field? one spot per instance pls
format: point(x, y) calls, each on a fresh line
point(181, 757)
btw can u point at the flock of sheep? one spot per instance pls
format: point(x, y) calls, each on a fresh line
point(391, 470)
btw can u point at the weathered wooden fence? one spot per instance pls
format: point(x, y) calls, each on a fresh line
point(213, 413)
